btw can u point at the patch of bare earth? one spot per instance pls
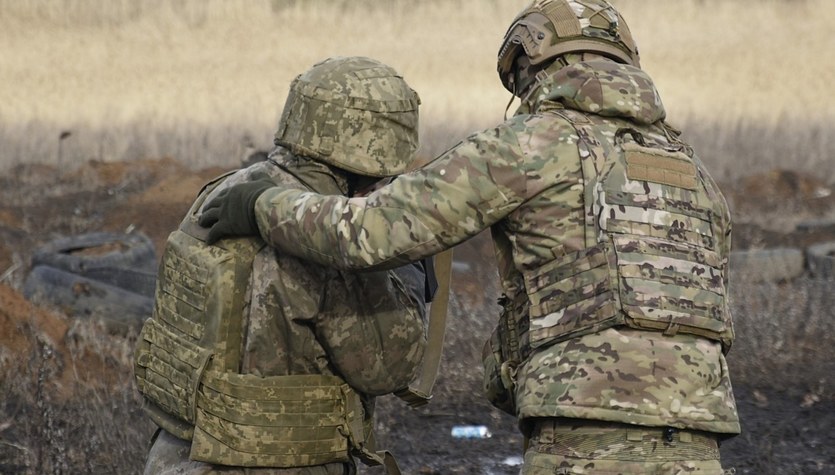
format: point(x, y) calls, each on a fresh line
point(69, 405)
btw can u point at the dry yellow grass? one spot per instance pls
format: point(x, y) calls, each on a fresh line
point(125, 65)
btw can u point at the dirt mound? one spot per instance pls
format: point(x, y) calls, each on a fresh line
point(23, 326)
point(784, 185)
point(779, 192)
point(42, 202)
point(47, 347)
point(166, 200)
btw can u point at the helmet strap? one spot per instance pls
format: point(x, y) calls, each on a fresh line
point(507, 107)
point(512, 84)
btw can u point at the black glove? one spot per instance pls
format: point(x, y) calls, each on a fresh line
point(232, 211)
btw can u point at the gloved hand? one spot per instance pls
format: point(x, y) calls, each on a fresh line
point(232, 211)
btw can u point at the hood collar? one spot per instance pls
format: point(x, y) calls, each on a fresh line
point(600, 87)
point(319, 177)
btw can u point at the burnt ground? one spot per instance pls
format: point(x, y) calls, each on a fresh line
point(788, 428)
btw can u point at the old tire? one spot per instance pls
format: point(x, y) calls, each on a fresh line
point(821, 258)
point(767, 265)
point(137, 281)
point(80, 296)
point(85, 252)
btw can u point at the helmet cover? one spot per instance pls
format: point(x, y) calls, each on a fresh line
point(354, 113)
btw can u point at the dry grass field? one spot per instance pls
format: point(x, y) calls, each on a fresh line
point(189, 79)
point(112, 113)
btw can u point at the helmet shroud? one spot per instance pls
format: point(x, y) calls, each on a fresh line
point(547, 29)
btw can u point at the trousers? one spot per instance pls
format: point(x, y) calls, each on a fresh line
point(572, 446)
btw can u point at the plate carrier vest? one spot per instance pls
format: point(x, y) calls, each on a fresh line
point(654, 224)
point(188, 359)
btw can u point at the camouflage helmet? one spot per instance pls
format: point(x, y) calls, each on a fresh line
point(354, 113)
point(547, 29)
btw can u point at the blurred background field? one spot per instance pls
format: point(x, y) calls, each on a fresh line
point(113, 113)
point(193, 79)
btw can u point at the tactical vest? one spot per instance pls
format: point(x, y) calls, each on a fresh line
point(653, 260)
point(188, 360)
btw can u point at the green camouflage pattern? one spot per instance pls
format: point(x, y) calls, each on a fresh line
point(524, 180)
point(370, 327)
point(200, 297)
point(354, 113)
point(317, 345)
point(548, 29)
point(169, 455)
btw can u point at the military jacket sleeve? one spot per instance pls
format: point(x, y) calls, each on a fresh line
point(373, 327)
point(463, 192)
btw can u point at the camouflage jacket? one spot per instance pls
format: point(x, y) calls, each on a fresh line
point(524, 180)
point(368, 328)
point(296, 319)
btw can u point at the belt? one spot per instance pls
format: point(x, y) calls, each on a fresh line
point(599, 439)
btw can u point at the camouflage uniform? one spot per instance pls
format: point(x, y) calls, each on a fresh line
point(305, 319)
point(612, 244)
point(524, 180)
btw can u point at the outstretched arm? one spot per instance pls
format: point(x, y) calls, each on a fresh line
point(466, 190)
point(463, 192)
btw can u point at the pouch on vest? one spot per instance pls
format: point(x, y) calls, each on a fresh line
point(187, 367)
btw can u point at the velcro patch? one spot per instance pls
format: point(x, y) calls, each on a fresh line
point(665, 169)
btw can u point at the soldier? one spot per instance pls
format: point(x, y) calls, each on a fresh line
point(612, 243)
point(255, 359)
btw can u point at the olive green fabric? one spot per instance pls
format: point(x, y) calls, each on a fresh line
point(200, 297)
point(354, 113)
point(169, 455)
point(277, 421)
point(420, 393)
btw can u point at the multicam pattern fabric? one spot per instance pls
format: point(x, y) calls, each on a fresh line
point(549, 29)
point(304, 321)
point(524, 180)
point(582, 447)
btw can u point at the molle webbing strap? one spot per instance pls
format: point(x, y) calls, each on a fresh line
point(592, 160)
point(650, 260)
point(365, 450)
point(277, 421)
point(563, 18)
point(420, 394)
point(512, 340)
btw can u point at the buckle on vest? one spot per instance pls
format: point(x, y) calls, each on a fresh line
point(669, 432)
point(672, 328)
point(508, 375)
